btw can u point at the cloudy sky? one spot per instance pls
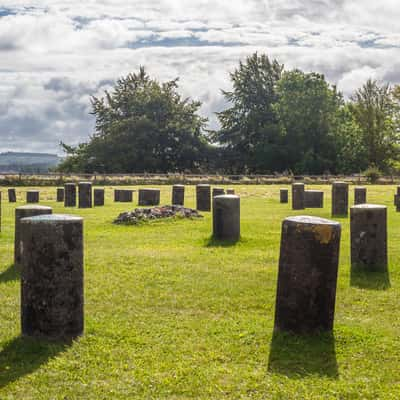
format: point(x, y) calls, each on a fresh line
point(55, 54)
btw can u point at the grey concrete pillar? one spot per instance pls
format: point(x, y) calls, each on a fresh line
point(178, 195)
point(308, 266)
point(52, 277)
point(298, 196)
point(217, 192)
point(25, 212)
point(85, 194)
point(284, 196)
point(125, 195)
point(398, 197)
point(149, 197)
point(230, 191)
point(60, 194)
point(368, 237)
point(313, 199)
point(12, 196)
point(70, 195)
point(360, 195)
point(32, 196)
point(340, 198)
point(117, 195)
point(226, 217)
point(203, 197)
point(98, 197)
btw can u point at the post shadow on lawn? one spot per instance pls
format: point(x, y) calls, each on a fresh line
point(10, 274)
point(22, 356)
point(376, 279)
point(298, 356)
point(213, 242)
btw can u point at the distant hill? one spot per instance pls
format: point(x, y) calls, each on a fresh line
point(27, 162)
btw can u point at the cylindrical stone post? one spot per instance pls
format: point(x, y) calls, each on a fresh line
point(117, 195)
point(149, 197)
point(360, 195)
point(226, 217)
point(12, 196)
point(32, 196)
point(60, 194)
point(218, 192)
point(178, 195)
point(70, 195)
point(313, 199)
point(308, 266)
point(52, 277)
point(125, 195)
point(98, 197)
point(284, 195)
point(298, 196)
point(340, 198)
point(203, 197)
point(398, 198)
point(368, 237)
point(230, 191)
point(25, 212)
point(85, 194)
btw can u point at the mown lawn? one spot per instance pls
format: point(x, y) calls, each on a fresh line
point(171, 315)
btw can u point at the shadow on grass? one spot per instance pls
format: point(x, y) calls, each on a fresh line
point(22, 356)
point(212, 242)
point(372, 280)
point(10, 274)
point(300, 356)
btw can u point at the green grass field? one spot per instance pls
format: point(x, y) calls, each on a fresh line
point(169, 314)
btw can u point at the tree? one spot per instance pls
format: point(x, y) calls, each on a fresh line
point(375, 111)
point(250, 131)
point(308, 110)
point(141, 125)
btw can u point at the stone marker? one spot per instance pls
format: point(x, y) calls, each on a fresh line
point(70, 195)
point(298, 196)
point(360, 195)
point(60, 194)
point(117, 195)
point(217, 192)
point(368, 237)
point(32, 196)
point(284, 195)
point(85, 194)
point(398, 197)
point(230, 191)
point(98, 197)
point(125, 195)
point(25, 212)
point(313, 199)
point(340, 198)
point(12, 196)
point(308, 266)
point(203, 197)
point(226, 217)
point(149, 197)
point(178, 195)
point(52, 277)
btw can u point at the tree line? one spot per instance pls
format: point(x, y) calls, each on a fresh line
point(277, 120)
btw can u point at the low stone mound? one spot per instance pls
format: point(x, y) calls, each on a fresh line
point(139, 215)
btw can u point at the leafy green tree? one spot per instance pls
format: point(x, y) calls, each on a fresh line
point(250, 130)
point(375, 111)
point(308, 110)
point(142, 125)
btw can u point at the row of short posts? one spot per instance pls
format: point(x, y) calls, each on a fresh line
point(87, 197)
point(302, 198)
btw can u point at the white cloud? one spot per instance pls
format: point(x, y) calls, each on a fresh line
point(56, 54)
